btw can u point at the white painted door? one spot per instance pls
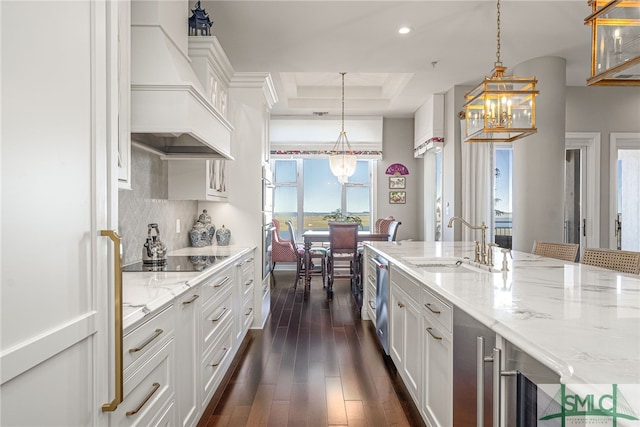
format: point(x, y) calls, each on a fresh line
point(57, 194)
point(625, 191)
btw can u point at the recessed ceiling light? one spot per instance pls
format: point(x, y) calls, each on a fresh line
point(404, 30)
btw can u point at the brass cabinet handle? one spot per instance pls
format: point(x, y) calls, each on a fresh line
point(401, 305)
point(372, 305)
point(250, 260)
point(155, 335)
point(249, 282)
point(219, 361)
point(193, 298)
point(224, 310)
point(433, 335)
point(222, 282)
point(428, 305)
point(117, 331)
point(249, 311)
point(155, 388)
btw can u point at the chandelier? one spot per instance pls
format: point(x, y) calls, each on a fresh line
point(615, 43)
point(501, 108)
point(342, 161)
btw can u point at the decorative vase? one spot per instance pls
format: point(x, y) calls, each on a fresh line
point(223, 236)
point(203, 231)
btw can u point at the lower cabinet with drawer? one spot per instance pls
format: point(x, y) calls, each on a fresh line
point(216, 359)
point(421, 346)
point(246, 296)
point(149, 373)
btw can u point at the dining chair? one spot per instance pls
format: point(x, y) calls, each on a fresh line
point(562, 251)
point(622, 261)
point(342, 255)
point(283, 250)
point(317, 253)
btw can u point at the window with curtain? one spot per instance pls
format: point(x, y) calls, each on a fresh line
point(306, 190)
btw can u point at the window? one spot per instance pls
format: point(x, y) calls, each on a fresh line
point(306, 190)
point(502, 200)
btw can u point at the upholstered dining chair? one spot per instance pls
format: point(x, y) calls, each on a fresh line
point(343, 253)
point(562, 251)
point(317, 253)
point(622, 261)
point(283, 250)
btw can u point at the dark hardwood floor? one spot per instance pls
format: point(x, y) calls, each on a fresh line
point(316, 363)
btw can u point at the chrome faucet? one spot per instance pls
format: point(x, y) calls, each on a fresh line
point(481, 255)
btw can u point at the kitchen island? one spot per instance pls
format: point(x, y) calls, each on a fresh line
point(579, 321)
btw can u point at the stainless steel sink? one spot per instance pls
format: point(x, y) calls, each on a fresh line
point(444, 264)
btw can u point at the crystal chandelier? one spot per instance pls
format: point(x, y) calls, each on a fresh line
point(501, 108)
point(342, 161)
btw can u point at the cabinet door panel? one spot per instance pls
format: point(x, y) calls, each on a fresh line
point(413, 360)
point(396, 327)
point(438, 375)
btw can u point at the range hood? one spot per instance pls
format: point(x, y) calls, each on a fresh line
point(169, 110)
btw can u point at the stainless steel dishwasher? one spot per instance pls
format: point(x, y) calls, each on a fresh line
point(382, 301)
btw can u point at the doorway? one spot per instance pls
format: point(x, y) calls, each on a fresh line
point(582, 189)
point(625, 191)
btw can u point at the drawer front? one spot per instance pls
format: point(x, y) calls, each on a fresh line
point(147, 389)
point(247, 314)
point(218, 284)
point(247, 288)
point(148, 336)
point(436, 309)
point(408, 285)
point(167, 416)
point(371, 301)
point(216, 362)
point(215, 317)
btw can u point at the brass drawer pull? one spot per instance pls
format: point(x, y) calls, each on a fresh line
point(428, 305)
point(372, 305)
point(224, 352)
point(156, 386)
point(224, 310)
point(193, 298)
point(401, 305)
point(432, 334)
point(222, 282)
point(249, 311)
point(249, 282)
point(155, 335)
point(250, 260)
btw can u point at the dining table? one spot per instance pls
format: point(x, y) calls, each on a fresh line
point(322, 236)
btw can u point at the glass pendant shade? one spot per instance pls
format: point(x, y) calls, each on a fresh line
point(341, 162)
point(615, 43)
point(501, 108)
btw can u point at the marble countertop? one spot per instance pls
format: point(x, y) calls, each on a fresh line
point(145, 292)
point(581, 321)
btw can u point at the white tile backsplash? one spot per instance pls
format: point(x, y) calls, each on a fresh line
point(147, 203)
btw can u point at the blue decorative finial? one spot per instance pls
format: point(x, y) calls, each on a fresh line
point(199, 22)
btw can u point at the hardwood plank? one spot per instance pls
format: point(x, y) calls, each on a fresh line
point(336, 412)
point(259, 414)
point(279, 414)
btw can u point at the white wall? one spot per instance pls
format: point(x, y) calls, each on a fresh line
point(603, 110)
point(398, 148)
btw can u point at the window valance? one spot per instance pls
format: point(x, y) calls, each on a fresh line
point(305, 137)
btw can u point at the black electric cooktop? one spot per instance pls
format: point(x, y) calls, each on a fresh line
point(178, 263)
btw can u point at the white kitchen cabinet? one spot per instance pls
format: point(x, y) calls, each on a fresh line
point(149, 370)
point(123, 95)
point(437, 349)
point(405, 336)
point(188, 309)
point(198, 179)
point(246, 301)
point(370, 285)
point(59, 117)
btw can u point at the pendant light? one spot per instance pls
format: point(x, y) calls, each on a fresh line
point(342, 161)
point(501, 108)
point(615, 41)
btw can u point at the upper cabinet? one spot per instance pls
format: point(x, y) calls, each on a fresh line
point(198, 179)
point(121, 92)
